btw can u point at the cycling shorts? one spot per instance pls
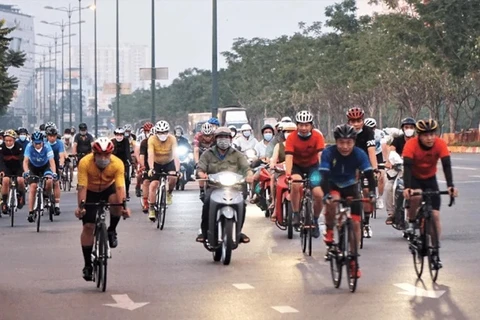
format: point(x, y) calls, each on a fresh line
point(90, 211)
point(430, 184)
point(312, 172)
point(350, 191)
point(39, 171)
point(162, 168)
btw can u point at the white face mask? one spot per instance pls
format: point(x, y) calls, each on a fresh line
point(119, 138)
point(67, 136)
point(11, 147)
point(162, 137)
point(409, 132)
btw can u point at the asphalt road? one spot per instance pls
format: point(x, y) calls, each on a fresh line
point(269, 278)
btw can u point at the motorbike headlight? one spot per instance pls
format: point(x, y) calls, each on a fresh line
point(182, 151)
point(227, 180)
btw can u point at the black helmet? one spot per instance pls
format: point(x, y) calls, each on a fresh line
point(42, 127)
point(344, 131)
point(408, 121)
point(267, 126)
point(424, 126)
point(67, 131)
point(82, 126)
point(179, 128)
point(51, 131)
point(22, 130)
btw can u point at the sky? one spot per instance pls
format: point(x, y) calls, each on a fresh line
point(183, 27)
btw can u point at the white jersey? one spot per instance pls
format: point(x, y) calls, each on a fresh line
point(379, 140)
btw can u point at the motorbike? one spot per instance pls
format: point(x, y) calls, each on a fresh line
point(399, 218)
point(262, 190)
point(283, 207)
point(226, 214)
point(185, 156)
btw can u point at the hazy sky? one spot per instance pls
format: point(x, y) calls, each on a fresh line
point(183, 27)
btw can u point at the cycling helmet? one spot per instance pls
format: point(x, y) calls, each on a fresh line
point(265, 127)
point(223, 132)
point(2, 133)
point(51, 131)
point(22, 130)
point(207, 129)
point(344, 131)
point(119, 130)
point(162, 126)
point(214, 121)
point(408, 121)
point(42, 127)
point(147, 126)
point(179, 128)
point(245, 127)
point(286, 119)
point(355, 113)
point(82, 126)
point(370, 122)
point(10, 133)
point(50, 124)
point(287, 126)
point(304, 117)
point(128, 127)
point(103, 145)
point(424, 126)
point(37, 136)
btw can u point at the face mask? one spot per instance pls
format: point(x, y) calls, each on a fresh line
point(119, 138)
point(162, 137)
point(102, 163)
point(409, 132)
point(67, 136)
point(127, 134)
point(1, 142)
point(11, 147)
point(301, 135)
point(52, 143)
point(22, 137)
point(286, 134)
point(223, 144)
point(83, 133)
point(268, 136)
point(178, 133)
point(246, 134)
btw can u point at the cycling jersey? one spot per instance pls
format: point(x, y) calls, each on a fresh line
point(122, 150)
point(399, 144)
point(424, 161)
point(365, 139)
point(144, 152)
point(378, 135)
point(57, 148)
point(96, 180)
point(84, 143)
point(11, 160)
point(342, 170)
point(305, 151)
point(163, 151)
point(39, 158)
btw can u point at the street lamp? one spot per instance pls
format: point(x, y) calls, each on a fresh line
point(117, 65)
point(43, 55)
point(152, 88)
point(214, 60)
point(94, 7)
point(49, 46)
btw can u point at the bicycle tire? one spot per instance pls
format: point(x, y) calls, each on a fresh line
point(163, 207)
point(303, 229)
point(39, 209)
point(431, 231)
point(336, 260)
point(103, 254)
point(289, 215)
point(11, 205)
point(362, 227)
point(419, 251)
point(352, 256)
point(51, 208)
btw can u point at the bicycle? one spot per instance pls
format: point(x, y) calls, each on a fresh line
point(344, 252)
point(66, 182)
point(423, 240)
point(161, 199)
point(12, 202)
point(101, 249)
point(306, 214)
point(39, 206)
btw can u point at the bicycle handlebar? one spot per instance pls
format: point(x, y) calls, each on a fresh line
point(433, 193)
point(104, 204)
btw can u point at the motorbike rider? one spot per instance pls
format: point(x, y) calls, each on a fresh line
point(122, 151)
point(246, 140)
point(206, 141)
point(261, 146)
point(233, 130)
point(396, 145)
point(221, 157)
point(277, 138)
point(181, 140)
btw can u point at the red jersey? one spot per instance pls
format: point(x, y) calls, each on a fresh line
point(425, 161)
point(305, 151)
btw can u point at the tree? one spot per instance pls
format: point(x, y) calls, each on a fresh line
point(8, 58)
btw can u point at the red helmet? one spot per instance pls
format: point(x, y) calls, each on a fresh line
point(103, 145)
point(355, 113)
point(147, 126)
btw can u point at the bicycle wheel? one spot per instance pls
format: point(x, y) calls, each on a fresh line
point(432, 248)
point(102, 258)
point(418, 250)
point(39, 209)
point(289, 214)
point(362, 227)
point(336, 258)
point(51, 208)
point(309, 224)
point(163, 207)
point(351, 251)
point(11, 206)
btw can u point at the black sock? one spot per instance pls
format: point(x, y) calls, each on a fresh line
point(5, 198)
point(113, 223)
point(367, 218)
point(87, 255)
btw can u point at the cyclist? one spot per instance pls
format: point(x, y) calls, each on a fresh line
point(365, 141)
point(11, 161)
point(82, 142)
point(122, 151)
point(39, 161)
point(396, 145)
point(246, 140)
point(198, 136)
point(302, 156)
point(101, 177)
point(379, 136)
point(339, 165)
point(420, 158)
point(143, 164)
point(59, 156)
point(23, 137)
point(147, 127)
point(132, 139)
point(205, 142)
point(219, 158)
point(162, 158)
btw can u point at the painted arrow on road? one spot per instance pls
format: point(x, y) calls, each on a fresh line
point(411, 290)
point(123, 301)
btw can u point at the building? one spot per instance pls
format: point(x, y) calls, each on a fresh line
point(23, 40)
point(132, 58)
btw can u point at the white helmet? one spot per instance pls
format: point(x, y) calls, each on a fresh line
point(245, 127)
point(370, 122)
point(127, 127)
point(287, 126)
point(162, 126)
point(286, 119)
point(207, 129)
point(304, 117)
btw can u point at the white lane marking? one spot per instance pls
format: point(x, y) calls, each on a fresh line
point(464, 168)
point(411, 290)
point(474, 176)
point(284, 309)
point(243, 286)
point(123, 301)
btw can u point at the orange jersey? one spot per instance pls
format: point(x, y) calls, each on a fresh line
point(425, 161)
point(305, 152)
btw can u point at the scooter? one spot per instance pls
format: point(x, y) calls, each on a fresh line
point(185, 156)
point(262, 191)
point(226, 215)
point(283, 207)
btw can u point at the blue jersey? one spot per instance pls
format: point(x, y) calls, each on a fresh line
point(39, 159)
point(343, 170)
point(57, 147)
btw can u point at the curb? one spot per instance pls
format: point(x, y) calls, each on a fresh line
point(464, 149)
